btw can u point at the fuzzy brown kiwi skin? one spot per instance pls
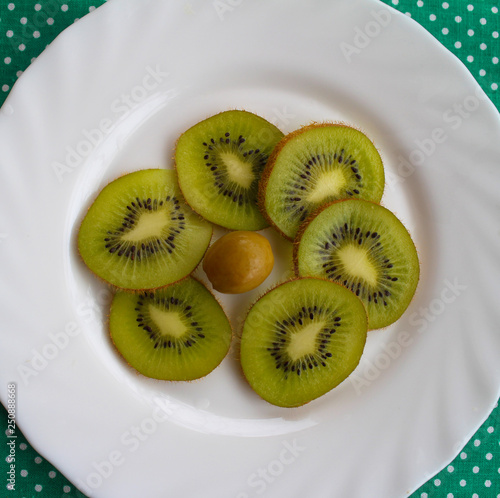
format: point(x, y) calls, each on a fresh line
point(108, 327)
point(117, 287)
point(238, 344)
point(266, 173)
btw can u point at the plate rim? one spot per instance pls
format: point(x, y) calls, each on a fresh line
point(72, 29)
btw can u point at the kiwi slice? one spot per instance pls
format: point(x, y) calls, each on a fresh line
point(179, 332)
point(219, 162)
point(364, 247)
point(302, 339)
point(140, 234)
point(315, 165)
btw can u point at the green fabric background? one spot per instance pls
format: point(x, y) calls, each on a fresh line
point(470, 29)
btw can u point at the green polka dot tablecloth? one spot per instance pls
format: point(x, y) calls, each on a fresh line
point(468, 28)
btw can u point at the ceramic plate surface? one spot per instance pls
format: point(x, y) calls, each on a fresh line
point(111, 95)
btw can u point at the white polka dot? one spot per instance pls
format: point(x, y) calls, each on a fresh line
point(10, 33)
point(18, 74)
point(5, 88)
point(24, 473)
point(450, 468)
point(23, 446)
point(437, 482)
point(11, 6)
point(432, 17)
point(487, 483)
point(50, 21)
point(482, 72)
point(445, 31)
point(494, 34)
point(408, 14)
point(424, 495)
point(477, 442)
point(66, 489)
point(23, 20)
point(420, 3)
point(482, 21)
point(52, 474)
point(475, 469)
point(38, 487)
point(494, 10)
point(64, 8)
point(36, 34)
point(463, 482)
point(458, 19)
point(483, 46)
point(470, 7)
point(495, 61)
point(489, 456)
point(38, 6)
point(458, 44)
point(470, 32)
point(491, 428)
point(38, 459)
point(449, 495)
point(8, 110)
point(7, 60)
point(463, 455)
point(22, 47)
point(91, 8)
point(446, 5)
point(475, 495)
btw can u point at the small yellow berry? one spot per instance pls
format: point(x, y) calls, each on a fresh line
point(238, 262)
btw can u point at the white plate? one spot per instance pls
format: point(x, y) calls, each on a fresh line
point(111, 95)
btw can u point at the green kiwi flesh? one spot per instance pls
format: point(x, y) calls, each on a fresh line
point(367, 249)
point(316, 165)
point(179, 332)
point(302, 339)
point(140, 234)
point(219, 162)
